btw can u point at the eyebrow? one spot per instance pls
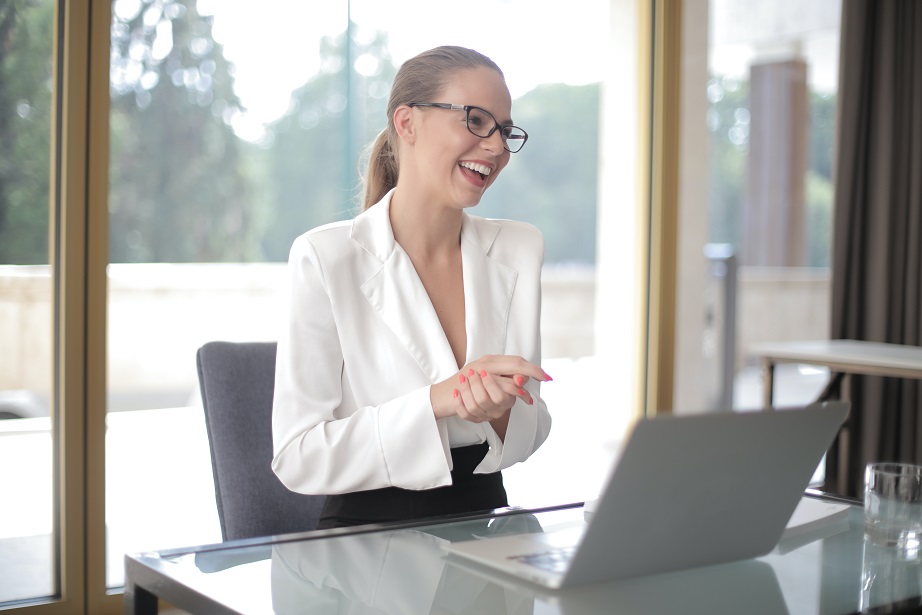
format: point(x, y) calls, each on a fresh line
point(508, 122)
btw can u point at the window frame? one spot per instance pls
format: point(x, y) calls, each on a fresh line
point(78, 229)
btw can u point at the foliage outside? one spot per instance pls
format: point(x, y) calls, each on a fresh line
point(185, 188)
point(26, 28)
point(728, 120)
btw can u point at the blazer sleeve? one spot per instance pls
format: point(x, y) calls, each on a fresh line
point(319, 450)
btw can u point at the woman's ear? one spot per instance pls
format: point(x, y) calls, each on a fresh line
point(404, 123)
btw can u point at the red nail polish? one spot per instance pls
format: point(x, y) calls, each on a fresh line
point(483, 373)
point(455, 394)
point(461, 378)
point(470, 372)
point(519, 380)
point(522, 392)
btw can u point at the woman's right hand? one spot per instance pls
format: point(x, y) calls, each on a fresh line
point(485, 389)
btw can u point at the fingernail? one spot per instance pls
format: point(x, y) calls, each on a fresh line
point(519, 380)
point(549, 379)
point(522, 392)
point(455, 394)
point(470, 372)
point(483, 373)
point(461, 378)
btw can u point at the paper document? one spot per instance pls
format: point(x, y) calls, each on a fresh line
point(812, 520)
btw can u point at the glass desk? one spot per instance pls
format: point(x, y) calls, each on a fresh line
point(404, 569)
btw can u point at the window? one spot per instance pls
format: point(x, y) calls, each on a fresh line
point(27, 544)
point(758, 111)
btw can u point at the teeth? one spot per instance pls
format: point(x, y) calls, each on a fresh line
point(473, 166)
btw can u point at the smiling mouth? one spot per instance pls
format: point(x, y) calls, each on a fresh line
point(481, 169)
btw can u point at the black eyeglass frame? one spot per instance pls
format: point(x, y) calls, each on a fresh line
point(467, 122)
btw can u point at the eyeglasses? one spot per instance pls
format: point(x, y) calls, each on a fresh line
point(482, 123)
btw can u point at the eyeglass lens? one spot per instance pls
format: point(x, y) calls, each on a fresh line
point(482, 124)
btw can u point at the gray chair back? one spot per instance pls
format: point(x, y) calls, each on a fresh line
point(237, 381)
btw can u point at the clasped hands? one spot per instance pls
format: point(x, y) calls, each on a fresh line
point(485, 389)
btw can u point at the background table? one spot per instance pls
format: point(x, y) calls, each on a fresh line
point(844, 358)
point(405, 569)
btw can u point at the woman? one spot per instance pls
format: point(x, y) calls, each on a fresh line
point(407, 376)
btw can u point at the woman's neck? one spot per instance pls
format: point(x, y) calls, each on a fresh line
point(423, 229)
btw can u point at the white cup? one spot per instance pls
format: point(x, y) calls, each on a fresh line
point(893, 506)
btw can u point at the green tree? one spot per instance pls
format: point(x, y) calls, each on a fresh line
point(819, 202)
point(553, 182)
point(179, 189)
point(822, 133)
point(728, 119)
point(26, 39)
point(820, 190)
point(312, 171)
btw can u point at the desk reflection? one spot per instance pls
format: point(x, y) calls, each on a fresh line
point(393, 573)
point(749, 587)
point(407, 572)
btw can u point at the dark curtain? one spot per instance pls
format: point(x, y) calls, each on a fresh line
point(877, 238)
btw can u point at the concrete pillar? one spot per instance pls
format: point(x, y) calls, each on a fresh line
point(773, 232)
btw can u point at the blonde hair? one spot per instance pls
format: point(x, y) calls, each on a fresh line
point(419, 79)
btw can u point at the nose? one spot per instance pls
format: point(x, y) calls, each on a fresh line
point(494, 143)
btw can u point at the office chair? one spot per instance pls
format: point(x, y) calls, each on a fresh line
point(237, 381)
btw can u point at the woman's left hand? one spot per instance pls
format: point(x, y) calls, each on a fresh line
point(485, 397)
point(485, 389)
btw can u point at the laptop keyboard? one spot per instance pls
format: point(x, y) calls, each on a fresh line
point(555, 560)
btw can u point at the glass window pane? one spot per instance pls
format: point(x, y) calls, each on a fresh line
point(27, 565)
point(181, 219)
point(233, 132)
point(756, 194)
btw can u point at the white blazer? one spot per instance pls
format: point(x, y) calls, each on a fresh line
point(362, 345)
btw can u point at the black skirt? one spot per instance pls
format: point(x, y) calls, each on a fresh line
point(468, 493)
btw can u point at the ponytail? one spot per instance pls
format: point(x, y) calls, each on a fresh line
point(382, 172)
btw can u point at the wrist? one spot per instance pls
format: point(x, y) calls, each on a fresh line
point(439, 397)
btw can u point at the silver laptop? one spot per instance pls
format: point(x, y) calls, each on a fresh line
point(687, 491)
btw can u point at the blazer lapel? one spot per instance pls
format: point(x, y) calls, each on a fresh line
point(488, 288)
point(398, 296)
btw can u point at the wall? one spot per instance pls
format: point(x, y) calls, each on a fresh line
point(25, 329)
point(781, 304)
point(160, 314)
